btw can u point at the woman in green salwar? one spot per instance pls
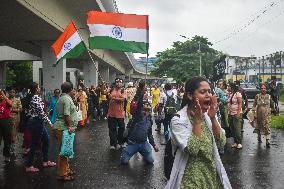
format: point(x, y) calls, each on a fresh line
point(195, 135)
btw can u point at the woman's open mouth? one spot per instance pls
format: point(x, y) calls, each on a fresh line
point(206, 104)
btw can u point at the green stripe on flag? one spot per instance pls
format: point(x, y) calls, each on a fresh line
point(103, 42)
point(74, 53)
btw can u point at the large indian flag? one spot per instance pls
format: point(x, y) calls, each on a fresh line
point(69, 44)
point(116, 31)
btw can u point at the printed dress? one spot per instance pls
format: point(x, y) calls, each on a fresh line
point(200, 171)
point(263, 113)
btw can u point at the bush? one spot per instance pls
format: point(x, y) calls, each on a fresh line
point(277, 122)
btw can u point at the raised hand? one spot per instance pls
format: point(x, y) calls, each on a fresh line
point(196, 111)
point(213, 107)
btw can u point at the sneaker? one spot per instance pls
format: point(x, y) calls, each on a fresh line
point(112, 148)
point(105, 118)
point(234, 145)
point(239, 146)
point(7, 159)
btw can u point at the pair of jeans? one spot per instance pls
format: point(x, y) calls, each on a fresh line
point(116, 128)
point(236, 127)
point(63, 162)
point(166, 123)
point(132, 148)
point(6, 134)
point(104, 108)
point(39, 134)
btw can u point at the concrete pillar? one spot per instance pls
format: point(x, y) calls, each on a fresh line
point(37, 65)
point(104, 71)
point(90, 73)
point(128, 74)
point(53, 77)
point(112, 76)
point(2, 75)
point(73, 79)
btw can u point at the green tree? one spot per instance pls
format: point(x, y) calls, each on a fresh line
point(19, 74)
point(182, 60)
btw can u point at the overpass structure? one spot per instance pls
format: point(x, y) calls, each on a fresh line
point(29, 28)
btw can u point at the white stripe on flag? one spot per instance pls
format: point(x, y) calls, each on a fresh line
point(120, 33)
point(72, 42)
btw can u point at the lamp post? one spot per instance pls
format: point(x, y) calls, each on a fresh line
point(281, 66)
point(199, 51)
point(262, 69)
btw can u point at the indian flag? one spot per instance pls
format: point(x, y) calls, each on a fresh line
point(116, 31)
point(69, 44)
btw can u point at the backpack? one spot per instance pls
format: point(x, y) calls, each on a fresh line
point(169, 159)
point(170, 107)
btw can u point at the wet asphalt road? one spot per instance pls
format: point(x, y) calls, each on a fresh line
point(96, 166)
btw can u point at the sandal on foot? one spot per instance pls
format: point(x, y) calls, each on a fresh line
point(49, 164)
point(71, 172)
point(32, 169)
point(66, 178)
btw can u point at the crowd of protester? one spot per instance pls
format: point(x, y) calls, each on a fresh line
point(197, 119)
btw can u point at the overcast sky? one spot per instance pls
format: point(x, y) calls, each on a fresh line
point(214, 19)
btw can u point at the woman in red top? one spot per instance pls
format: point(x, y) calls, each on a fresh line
point(5, 124)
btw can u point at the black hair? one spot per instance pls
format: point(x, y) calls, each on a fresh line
point(223, 82)
point(237, 82)
point(33, 88)
point(190, 86)
point(140, 89)
point(56, 90)
point(12, 88)
point(168, 87)
point(66, 87)
point(234, 89)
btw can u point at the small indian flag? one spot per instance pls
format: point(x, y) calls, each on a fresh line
point(116, 31)
point(69, 44)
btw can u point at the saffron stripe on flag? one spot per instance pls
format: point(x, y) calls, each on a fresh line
point(68, 32)
point(118, 19)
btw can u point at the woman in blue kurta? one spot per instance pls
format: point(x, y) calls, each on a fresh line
point(52, 106)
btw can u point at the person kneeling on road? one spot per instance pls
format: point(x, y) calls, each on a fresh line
point(139, 129)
